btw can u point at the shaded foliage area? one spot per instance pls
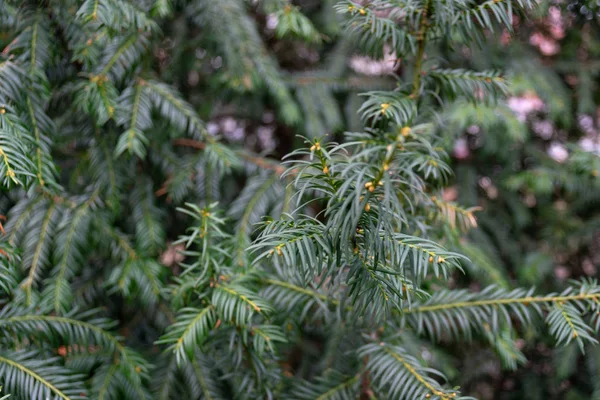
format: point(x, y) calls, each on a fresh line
point(312, 200)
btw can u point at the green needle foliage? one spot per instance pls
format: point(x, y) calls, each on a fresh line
point(145, 257)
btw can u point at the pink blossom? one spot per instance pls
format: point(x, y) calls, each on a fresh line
point(558, 152)
point(524, 105)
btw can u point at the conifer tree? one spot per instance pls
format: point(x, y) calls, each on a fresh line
point(320, 277)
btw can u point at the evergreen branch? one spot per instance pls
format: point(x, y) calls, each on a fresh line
point(68, 245)
point(74, 334)
point(339, 388)
point(122, 48)
point(34, 37)
point(253, 200)
point(22, 218)
point(461, 312)
point(413, 371)
point(38, 142)
point(190, 330)
point(112, 371)
point(302, 290)
point(410, 379)
point(35, 376)
point(202, 381)
point(175, 109)
point(33, 269)
point(262, 162)
point(495, 302)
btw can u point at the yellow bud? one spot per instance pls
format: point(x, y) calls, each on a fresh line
point(371, 189)
point(380, 183)
point(441, 259)
point(317, 146)
point(368, 185)
point(430, 259)
point(384, 107)
point(386, 166)
point(405, 131)
point(312, 148)
point(367, 207)
point(362, 11)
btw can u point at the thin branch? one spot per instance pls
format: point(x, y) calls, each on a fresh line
point(492, 302)
point(263, 162)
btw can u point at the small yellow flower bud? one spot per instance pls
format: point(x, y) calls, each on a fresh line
point(386, 166)
point(384, 107)
point(371, 189)
point(362, 11)
point(430, 259)
point(368, 207)
point(325, 170)
point(405, 131)
point(368, 185)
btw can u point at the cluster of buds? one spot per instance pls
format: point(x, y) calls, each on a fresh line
point(439, 260)
point(277, 249)
point(384, 107)
point(404, 132)
point(361, 10)
point(370, 186)
point(315, 147)
point(99, 79)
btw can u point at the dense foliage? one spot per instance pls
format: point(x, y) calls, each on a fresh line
point(155, 246)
